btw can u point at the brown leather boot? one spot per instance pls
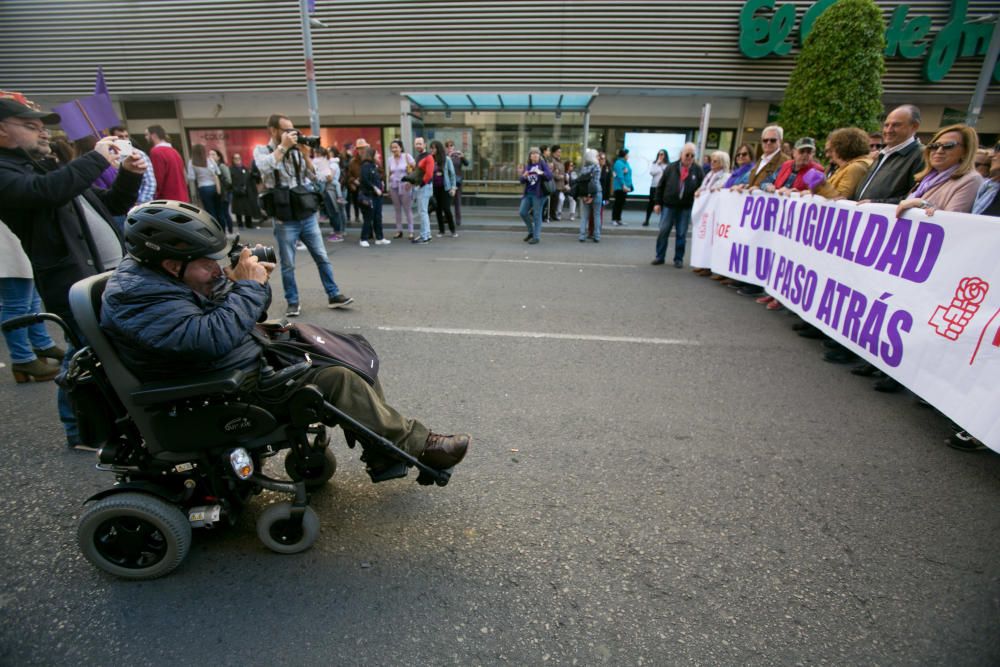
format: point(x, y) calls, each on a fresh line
point(445, 451)
point(34, 371)
point(54, 352)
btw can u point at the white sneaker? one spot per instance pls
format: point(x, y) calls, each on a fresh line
point(299, 245)
point(365, 244)
point(383, 242)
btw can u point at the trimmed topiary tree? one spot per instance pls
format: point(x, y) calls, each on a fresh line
point(837, 80)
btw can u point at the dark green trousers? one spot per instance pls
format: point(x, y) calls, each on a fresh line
point(365, 403)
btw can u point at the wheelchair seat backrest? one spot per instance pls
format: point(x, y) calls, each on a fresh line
point(85, 302)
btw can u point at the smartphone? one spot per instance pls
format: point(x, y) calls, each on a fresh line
point(124, 147)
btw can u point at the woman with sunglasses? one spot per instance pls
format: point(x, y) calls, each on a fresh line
point(743, 159)
point(948, 181)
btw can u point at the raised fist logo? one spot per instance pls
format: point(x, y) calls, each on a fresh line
point(950, 321)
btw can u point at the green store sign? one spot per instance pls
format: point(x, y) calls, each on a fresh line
point(763, 33)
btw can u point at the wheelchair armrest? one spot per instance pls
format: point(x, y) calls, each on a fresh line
point(220, 382)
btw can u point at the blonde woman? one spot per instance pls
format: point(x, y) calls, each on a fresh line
point(948, 181)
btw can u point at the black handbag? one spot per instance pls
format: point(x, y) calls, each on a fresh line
point(277, 202)
point(305, 202)
point(286, 345)
point(549, 186)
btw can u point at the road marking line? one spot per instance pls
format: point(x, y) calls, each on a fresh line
point(535, 261)
point(542, 334)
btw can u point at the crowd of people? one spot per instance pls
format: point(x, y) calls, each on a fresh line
point(950, 173)
point(81, 186)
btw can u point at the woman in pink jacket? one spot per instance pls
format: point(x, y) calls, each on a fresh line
point(948, 181)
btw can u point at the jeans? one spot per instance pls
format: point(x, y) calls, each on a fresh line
point(66, 415)
point(403, 206)
point(619, 206)
point(210, 202)
point(333, 211)
point(668, 218)
point(533, 204)
point(287, 232)
point(222, 206)
point(423, 199)
point(590, 214)
point(18, 296)
point(458, 204)
point(442, 208)
point(372, 216)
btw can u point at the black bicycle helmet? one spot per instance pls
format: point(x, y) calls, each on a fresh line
point(164, 229)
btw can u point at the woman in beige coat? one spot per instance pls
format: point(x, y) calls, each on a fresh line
point(18, 296)
point(848, 149)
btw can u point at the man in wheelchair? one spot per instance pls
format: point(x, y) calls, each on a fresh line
point(171, 310)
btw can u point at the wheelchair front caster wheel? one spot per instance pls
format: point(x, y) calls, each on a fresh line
point(315, 476)
point(134, 535)
point(284, 535)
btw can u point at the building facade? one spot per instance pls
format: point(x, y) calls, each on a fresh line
point(212, 72)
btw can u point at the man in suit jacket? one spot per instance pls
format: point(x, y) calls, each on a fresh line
point(766, 169)
point(890, 177)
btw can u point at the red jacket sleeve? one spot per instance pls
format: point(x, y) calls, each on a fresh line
point(427, 164)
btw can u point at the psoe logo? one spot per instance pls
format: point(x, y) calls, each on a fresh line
point(950, 320)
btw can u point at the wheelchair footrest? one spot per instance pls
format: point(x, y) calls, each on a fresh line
point(391, 471)
point(440, 478)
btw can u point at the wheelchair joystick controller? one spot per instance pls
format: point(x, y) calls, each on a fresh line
point(270, 378)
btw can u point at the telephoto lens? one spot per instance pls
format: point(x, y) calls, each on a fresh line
point(310, 141)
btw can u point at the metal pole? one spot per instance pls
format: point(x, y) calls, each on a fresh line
point(406, 124)
point(706, 112)
point(586, 129)
point(985, 75)
point(310, 70)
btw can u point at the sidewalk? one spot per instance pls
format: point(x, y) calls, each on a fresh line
point(497, 218)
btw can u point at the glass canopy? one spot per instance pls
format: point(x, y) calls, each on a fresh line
point(569, 101)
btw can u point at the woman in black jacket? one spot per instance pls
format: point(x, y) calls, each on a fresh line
point(370, 199)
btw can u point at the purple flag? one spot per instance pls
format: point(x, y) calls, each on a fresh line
point(311, 6)
point(87, 116)
point(100, 85)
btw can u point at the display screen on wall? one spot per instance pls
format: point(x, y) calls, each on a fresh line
point(232, 140)
point(642, 149)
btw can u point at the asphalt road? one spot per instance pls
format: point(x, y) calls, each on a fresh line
point(662, 473)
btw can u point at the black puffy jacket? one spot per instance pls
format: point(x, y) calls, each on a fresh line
point(164, 329)
point(37, 202)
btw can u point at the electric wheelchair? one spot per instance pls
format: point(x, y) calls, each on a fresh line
point(189, 453)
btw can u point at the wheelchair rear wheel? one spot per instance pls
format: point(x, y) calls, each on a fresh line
point(315, 476)
point(284, 535)
point(134, 535)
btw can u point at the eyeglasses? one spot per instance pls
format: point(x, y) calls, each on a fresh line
point(982, 164)
point(38, 129)
point(947, 145)
point(876, 147)
point(769, 141)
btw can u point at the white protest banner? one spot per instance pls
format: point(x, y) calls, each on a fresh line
point(918, 296)
point(702, 230)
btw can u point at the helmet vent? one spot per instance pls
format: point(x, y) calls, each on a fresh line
point(180, 218)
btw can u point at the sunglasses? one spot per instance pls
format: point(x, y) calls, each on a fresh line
point(743, 154)
point(876, 147)
point(982, 164)
point(947, 145)
point(769, 141)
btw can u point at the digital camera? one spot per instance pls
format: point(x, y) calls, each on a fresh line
point(310, 141)
point(263, 253)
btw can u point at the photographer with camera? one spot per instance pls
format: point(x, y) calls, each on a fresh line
point(170, 311)
point(290, 198)
point(64, 223)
